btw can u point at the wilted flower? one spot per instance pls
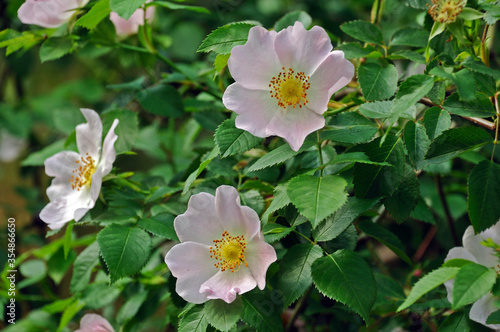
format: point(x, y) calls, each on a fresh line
point(48, 13)
point(446, 11)
point(476, 252)
point(94, 323)
point(222, 251)
point(78, 176)
point(284, 81)
point(129, 27)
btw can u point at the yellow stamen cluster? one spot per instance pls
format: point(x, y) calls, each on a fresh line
point(290, 88)
point(446, 11)
point(229, 252)
point(82, 174)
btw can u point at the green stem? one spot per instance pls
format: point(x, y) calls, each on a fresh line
point(320, 150)
point(497, 125)
point(485, 57)
point(305, 237)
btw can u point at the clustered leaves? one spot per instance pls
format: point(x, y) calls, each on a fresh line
point(407, 160)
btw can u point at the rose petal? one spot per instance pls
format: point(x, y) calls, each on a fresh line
point(89, 135)
point(94, 323)
point(294, 124)
point(129, 27)
point(62, 164)
point(254, 64)
point(472, 243)
point(108, 155)
point(191, 264)
point(332, 74)
point(225, 285)
point(200, 222)
point(482, 308)
point(256, 108)
point(302, 50)
point(259, 255)
point(231, 215)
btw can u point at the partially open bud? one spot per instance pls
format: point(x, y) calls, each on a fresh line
point(446, 11)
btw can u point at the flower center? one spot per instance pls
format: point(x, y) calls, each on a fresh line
point(446, 11)
point(290, 88)
point(83, 173)
point(229, 252)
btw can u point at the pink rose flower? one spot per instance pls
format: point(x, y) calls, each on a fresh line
point(94, 323)
point(222, 251)
point(284, 81)
point(129, 27)
point(48, 13)
point(474, 251)
point(78, 176)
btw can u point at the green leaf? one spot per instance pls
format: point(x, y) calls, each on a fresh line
point(38, 158)
point(350, 127)
point(232, 140)
point(317, 197)
point(410, 91)
point(436, 120)
point(295, 271)
point(336, 224)
point(428, 283)
point(194, 321)
point(404, 200)
point(176, 6)
point(494, 318)
point(223, 39)
point(377, 82)
point(456, 262)
point(14, 40)
point(417, 143)
point(292, 17)
point(69, 313)
point(483, 195)
point(82, 268)
point(364, 31)
point(279, 155)
point(376, 110)
point(471, 283)
point(67, 238)
point(162, 99)
point(409, 55)
point(221, 62)
point(481, 106)
point(280, 200)
point(456, 322)
point(54, 48)
point(126, 130)
point(160, 225)
point(480, 67)
point(346, 277)
point(376, 180)
point(58, 264)
point(410, 37)
point(492, 14)
point(262, 311)
point(355, 50)
point(205, 160)
point(95, 15)
point(274, 232)
point(125, 8)
point(221, 315)
point(130, 308)
point(124, 249)
point(454, 142)
point(355, 157)
point(385, 237)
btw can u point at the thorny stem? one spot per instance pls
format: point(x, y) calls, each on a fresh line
point(484, 56)
point(481, 122)
point(447, 212)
